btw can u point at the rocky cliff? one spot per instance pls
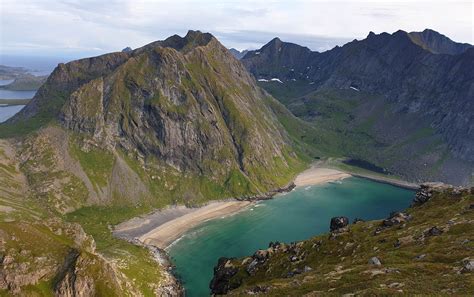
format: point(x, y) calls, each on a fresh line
point(425, 250)
point(395, 95)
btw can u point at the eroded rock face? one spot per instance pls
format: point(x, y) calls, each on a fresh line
point(223, 272)
point(338, 223)
point(185, 103)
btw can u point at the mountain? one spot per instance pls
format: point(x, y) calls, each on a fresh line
point(108, 138)
point(238, 54)
point(422, 250)
point(384, 100)
point(26, 82)
point(437, 43)
point(8, 72)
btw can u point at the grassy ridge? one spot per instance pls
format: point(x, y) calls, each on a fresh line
point(413, 260)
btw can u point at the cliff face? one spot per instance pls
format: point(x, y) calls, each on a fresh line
point(185, 103)
point(387, 87)
point(423, 250)
point(193, 107)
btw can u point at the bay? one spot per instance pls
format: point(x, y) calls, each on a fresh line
point(298, 215)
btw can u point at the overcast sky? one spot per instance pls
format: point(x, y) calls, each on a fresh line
point(89, 27)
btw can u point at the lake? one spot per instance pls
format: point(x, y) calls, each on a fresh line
point(7, 112)
point(294, 216)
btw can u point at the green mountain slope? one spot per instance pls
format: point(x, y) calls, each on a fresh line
point(108, 138)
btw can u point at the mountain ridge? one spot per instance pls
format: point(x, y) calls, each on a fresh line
point(410, 83)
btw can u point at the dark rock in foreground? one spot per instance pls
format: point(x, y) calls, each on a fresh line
point(338, 223)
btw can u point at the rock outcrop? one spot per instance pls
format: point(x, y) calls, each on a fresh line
point(223, 272)
point(338, 223)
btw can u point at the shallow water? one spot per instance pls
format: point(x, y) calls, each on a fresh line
point(7, 112)
point(298, 215)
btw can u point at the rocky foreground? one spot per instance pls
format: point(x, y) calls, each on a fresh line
point(427, 249)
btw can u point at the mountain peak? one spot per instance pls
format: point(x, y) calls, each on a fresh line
point(276, 40)
point(437, 43)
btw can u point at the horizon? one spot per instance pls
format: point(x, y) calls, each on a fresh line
point(49, 62)
point(100, 28)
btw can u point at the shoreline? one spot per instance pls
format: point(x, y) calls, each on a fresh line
point(388, 181)
point(163, 227)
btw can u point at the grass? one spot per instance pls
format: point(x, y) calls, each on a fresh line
point(135, 261)
point(48, 109)
point(96, 162)
point(340, 264)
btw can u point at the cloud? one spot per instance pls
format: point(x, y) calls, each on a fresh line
point(89, 27)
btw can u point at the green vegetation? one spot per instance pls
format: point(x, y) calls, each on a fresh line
point(12, 102)
point(26, 82)
point(48, 109)
point(134, 261)
point(414, 261)
point(96, 162)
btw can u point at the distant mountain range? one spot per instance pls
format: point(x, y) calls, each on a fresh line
point(238, 54)
point(403, 101)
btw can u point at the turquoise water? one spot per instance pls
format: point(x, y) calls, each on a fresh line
point(298, 215)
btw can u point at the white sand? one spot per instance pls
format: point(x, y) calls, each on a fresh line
point(163, 227)
point(178, 222)
point(317, 175)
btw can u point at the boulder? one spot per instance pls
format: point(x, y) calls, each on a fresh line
point(338, 223)
point(396, 218)
point(434, 231)
point(467, 266)
point(375, 261)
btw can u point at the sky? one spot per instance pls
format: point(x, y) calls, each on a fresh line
point(78, 28)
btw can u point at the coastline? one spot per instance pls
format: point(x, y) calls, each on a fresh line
point(167, 233)
point(389, 181)
point(318, 175)
point(161, 228)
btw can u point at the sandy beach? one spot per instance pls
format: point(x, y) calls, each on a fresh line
point(317, 175)
point(163, 227)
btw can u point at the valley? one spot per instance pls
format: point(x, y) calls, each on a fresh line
point(123, 165)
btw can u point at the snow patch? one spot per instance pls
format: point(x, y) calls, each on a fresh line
point(354, 88)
